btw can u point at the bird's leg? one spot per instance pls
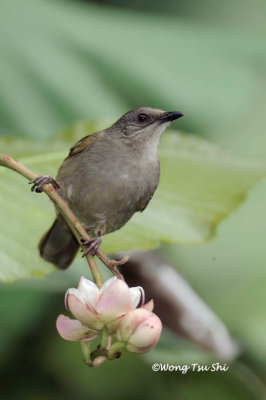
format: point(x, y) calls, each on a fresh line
point(91, 245)
point(39, 182)
point(92, 248)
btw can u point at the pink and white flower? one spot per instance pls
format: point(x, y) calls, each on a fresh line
point(96, 309)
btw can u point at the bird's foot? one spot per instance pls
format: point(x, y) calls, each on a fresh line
point(113, 264)
point(40, 181)
point(91, 246)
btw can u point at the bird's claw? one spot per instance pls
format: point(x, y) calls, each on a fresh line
point(39, 182)
point(91, 246)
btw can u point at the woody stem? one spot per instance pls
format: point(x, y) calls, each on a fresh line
point(71, 220)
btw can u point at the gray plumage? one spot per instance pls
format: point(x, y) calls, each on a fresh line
point(107, 177)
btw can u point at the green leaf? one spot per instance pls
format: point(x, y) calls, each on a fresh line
point(200, 185)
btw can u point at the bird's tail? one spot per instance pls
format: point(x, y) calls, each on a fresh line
point(58, 245)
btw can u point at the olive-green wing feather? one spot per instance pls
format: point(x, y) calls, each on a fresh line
point(84, 143)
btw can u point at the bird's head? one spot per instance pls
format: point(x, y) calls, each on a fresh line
point(144, 124)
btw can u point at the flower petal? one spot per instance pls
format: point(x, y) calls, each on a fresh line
point(83, 312)
point(107, 283)
point(136, 293)
point(115, 301)
point(89, 292)
point(130, 322)
point(147, 333)
point(75, 292)
point(72, 329)
point(140, 329)
point(149, 306)
point(139, 350)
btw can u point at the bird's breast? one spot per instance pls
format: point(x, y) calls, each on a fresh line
point(109, 192)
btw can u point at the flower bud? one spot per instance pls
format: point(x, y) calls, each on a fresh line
point(140, 329)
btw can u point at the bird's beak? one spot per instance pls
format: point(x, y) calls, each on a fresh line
point(170, 116)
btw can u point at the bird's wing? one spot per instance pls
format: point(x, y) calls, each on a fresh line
point(82, 144)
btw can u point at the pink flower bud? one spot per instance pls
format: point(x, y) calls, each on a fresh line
point(97, 308)
point(140, 329)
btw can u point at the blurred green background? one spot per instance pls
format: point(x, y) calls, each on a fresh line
point(68, 61)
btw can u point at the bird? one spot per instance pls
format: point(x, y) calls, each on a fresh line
point(106, 178)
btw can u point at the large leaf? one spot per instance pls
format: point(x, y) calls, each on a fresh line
point(200, 185)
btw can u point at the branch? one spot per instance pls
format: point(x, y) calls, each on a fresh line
point(71, 220)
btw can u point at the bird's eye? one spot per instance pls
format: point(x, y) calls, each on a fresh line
point(142, 117)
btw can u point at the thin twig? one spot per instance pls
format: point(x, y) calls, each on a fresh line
point(71, 220)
